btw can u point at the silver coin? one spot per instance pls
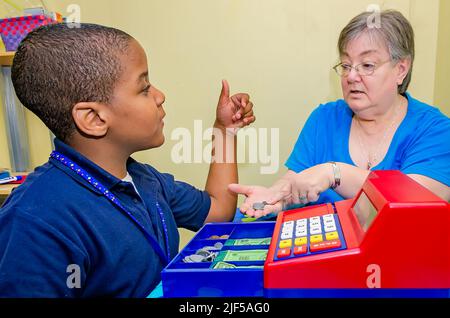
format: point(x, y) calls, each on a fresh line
point(187, 259)
point(259, 205)
point(203, 253)
point(195, 258)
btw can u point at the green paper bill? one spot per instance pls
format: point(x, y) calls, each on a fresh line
point(248, 241)
point(242, 256)
point(225, 265)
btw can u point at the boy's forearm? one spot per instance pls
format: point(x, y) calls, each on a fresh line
point(222, 172)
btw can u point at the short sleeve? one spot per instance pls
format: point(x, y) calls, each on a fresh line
point(29, 245)
point(190, 206)
point(303, 154)
point(429, 152)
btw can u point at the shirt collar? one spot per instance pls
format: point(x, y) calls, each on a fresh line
point(104, 177)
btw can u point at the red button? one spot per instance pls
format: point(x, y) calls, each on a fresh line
point(298, 250)
point(325, 245)
point(283, 252)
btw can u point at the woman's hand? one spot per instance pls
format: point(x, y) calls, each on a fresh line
point(275, 197)
point(310, 183)
point(292, 188)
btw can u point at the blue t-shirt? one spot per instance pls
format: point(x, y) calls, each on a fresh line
point(56, 220)
point(421, 144)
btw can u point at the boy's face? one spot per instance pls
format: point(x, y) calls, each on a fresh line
point(136, 105)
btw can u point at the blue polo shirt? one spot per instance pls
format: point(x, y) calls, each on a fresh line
point(421, 144)
point(57, 225)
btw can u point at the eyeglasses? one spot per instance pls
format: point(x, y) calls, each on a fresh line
point(363, 69)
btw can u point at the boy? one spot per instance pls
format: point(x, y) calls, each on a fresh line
point(92, 221)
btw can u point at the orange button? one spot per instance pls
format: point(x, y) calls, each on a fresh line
point(298, 250)
point(283, 252)
point(325, 245)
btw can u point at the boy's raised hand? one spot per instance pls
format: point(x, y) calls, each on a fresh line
point(235, 111)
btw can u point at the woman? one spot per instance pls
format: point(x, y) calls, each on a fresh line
point(378, 125)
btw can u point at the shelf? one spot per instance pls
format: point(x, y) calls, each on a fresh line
point(6, 58)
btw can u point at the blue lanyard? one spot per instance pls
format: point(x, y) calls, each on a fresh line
point(111, 197)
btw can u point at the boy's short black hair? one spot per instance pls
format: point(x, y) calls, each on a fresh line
point(59, 65)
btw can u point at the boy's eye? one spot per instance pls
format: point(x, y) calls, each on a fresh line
point(146, 89)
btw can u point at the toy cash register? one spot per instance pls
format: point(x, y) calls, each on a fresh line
point(392, 239)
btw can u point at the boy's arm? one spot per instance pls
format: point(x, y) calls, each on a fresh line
point(232, 113)
point(222, 172)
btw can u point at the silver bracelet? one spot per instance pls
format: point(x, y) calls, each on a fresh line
point(336, 173)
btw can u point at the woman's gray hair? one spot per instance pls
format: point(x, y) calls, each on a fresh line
point(393, 28)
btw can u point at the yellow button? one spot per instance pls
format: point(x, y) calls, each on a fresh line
point(332, 236)
point(301, 241)
point(285, 243)
point(316, 238)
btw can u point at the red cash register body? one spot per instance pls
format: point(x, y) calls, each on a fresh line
point(393, 236)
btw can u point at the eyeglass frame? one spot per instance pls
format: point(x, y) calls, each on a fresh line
point(376, 66)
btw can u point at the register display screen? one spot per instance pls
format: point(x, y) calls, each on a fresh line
point(365, 211)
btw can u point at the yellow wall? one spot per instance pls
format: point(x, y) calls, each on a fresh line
point(442, 91)
point(280, 51)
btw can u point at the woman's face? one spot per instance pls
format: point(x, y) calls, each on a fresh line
point(371, 94)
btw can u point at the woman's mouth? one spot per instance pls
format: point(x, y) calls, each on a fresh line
point(356, 92)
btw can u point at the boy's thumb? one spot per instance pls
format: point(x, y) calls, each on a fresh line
point(225, 92)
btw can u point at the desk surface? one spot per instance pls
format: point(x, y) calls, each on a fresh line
point(5, 189)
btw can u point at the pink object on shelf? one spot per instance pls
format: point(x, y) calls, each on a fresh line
point(14, 30)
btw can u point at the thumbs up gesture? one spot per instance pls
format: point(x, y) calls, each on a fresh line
point(235, 111)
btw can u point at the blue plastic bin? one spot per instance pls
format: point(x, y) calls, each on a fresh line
point(181, 279)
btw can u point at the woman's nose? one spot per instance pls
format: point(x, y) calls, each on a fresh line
point(353, 75)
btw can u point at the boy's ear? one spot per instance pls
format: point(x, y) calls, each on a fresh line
point(91, 118)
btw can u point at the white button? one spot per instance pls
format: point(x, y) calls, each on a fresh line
point(287, 231)
point(302, 222)
point(330, 228)
point(330, 224)
point(299, 233)
point(328, 217)
point(329, 221)
point(314, 223)
point(288, 224)
point(315, 219)
point(315, 230)
point(285, 236)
